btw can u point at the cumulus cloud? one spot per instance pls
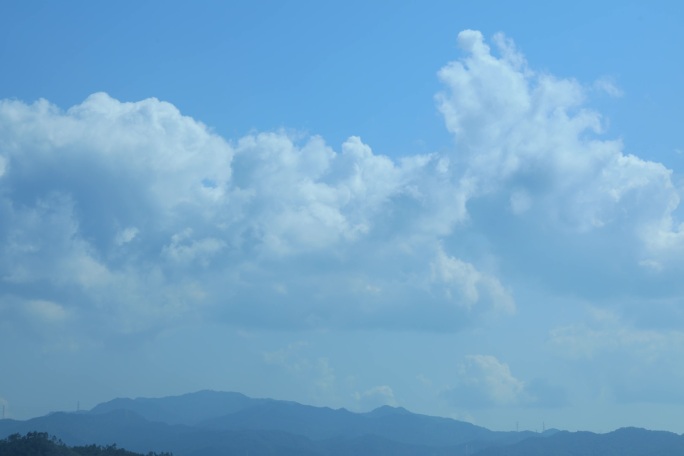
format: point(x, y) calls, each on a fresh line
point(464, 284)
point(527, 135)
point(143, 216)
point(137, 217)
point(484, 381)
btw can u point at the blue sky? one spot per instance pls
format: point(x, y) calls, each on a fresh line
point(466, 209)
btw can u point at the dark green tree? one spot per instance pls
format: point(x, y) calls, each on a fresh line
point(41, 444)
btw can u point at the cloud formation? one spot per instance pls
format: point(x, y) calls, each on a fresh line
point(375, 397)
point(483, 381)
point(135, 212)
point(635, 363)
point(133, 216)
point(528, 135)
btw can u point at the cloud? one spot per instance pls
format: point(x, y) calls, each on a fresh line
point(488, 381)
point(468, 286)
point(608, 86)
point(135, 217)
point(606, 332)
point(527, 135)
point(547, 198)
point(634, 363)
point(375, 397)
point(289, 357)
point(46, 311)
point(125, 236)
point(483, 381)
point(314, 375)
point(139, 217)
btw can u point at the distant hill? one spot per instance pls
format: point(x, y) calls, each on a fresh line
point(622, 442)
point(220, 411)
point(223, 411)
point(186, 409)
point(209, 423)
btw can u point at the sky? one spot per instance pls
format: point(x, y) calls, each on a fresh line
point(468, 209)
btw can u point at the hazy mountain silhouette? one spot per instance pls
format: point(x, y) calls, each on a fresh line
point(211, 410)
point(186, 409)
point(211, 423)
point(622, 442)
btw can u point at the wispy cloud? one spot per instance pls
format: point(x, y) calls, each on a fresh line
point(484, 381)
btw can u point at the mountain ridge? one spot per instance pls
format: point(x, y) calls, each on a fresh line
point(212, 423)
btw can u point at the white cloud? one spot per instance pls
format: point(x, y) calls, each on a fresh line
point(608, 86)
point(46, 311)
point(467, 286)
point(145, 217)
point(375, 397)
point(493, 378)
point(606, 332)
point(125, 236)
point(528, 135)
point(184, 249)
point(520, 201)
point(631, 363)
point(483, 381)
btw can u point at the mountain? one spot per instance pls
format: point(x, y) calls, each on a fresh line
point(222, 411)
point(219, 411)
point(209, 423)
point(186, 409)
point(622, 442)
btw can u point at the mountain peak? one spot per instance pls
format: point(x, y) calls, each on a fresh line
point(385, 410)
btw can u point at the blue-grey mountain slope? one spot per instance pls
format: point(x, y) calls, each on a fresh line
point(185, 409)
point(233, 411)
point(213, 423)
point(622, 442)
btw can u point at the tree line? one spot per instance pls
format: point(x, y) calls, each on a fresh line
point(42, 444)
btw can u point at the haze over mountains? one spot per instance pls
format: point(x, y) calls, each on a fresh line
point(209, 423)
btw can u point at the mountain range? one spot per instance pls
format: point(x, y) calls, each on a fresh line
point(210, 423)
